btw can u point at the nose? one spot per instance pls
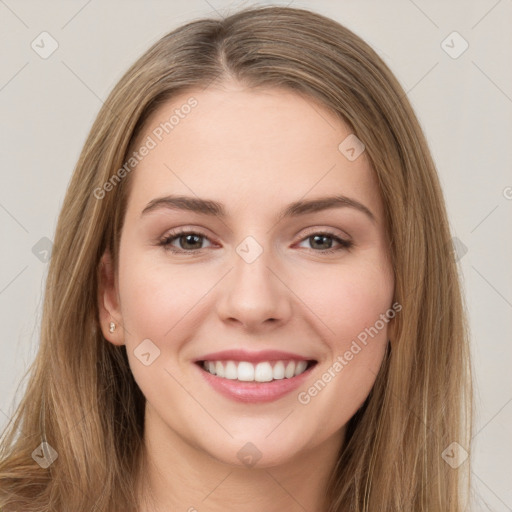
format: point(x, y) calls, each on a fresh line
point(255, 294)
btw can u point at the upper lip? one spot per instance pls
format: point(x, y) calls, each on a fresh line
point(252, 357)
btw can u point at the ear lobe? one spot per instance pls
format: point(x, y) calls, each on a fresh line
point(108, 301)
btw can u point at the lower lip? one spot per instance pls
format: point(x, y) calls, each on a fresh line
point(254, 392)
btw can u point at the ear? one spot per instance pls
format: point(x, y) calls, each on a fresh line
point(108, 301)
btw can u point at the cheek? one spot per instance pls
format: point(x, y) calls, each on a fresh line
point(357, 309)
point(349, 300)
point(156, 297)
point(158, 303)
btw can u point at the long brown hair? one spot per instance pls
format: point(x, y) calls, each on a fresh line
point(81, 398)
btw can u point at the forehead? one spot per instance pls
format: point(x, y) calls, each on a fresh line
point(257, 147)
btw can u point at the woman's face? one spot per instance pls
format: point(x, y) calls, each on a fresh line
point(273, 276)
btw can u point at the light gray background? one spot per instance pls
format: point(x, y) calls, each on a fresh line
point(464, 105)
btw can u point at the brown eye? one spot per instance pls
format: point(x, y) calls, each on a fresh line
point(323, 242)
point(188, 241)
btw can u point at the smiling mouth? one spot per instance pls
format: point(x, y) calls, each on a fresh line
point(264, 371)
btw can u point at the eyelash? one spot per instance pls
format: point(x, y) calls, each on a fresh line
point(166, 241)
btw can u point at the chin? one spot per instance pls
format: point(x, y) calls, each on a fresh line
point(256, 452)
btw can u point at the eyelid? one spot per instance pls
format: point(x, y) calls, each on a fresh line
point(328, 231)
point(344, 241)
point(182, 231)
point(311, 230)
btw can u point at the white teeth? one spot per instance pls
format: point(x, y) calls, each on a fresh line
point(219, 369)
point(261, 372)
point(290, 370)
point(301, 366)
point(245, 371)
point(278, 370)
point(231, 371)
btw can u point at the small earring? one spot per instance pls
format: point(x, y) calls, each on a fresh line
point(112, 326)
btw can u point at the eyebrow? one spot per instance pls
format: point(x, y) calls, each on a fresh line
point(214, 208)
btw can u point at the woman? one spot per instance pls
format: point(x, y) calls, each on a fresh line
point(252, 302)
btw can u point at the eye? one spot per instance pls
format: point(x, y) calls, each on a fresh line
point(189, 241)
point(321, 240)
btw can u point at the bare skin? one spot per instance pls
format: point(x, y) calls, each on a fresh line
point(255, 152)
